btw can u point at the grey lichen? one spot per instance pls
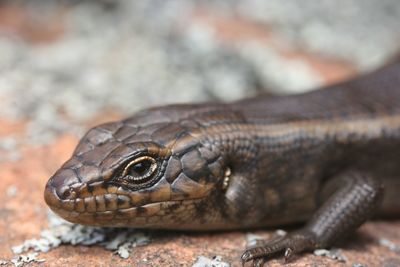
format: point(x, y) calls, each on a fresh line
point(207, 262)
point(12, 191)
point(121, 241)
point(334, 253)
point(142, 62)
point(21, 260)
point(9, 149)
point(254, 239)
point(390, 245)
point(96, 66)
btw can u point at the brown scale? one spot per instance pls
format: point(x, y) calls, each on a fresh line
point(321, 157)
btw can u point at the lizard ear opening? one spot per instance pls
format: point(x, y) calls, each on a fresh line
point(226, 179)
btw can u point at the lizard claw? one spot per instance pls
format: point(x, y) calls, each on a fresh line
point(288, 254)
point(257, 262)
point(246, 256)
point(290, 245)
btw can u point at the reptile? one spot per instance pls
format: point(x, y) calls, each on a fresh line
point(328, 159)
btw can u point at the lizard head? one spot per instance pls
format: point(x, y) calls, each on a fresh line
point(144, 172)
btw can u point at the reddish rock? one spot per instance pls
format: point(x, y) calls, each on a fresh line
point(21, 21)
point(24, 215)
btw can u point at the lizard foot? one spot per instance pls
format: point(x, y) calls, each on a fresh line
point(288, 245)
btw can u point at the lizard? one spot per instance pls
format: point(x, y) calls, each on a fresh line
point(328, 158)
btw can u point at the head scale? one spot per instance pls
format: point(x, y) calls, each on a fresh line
point(155, 175)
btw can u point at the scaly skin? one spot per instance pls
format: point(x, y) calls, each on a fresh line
point(327, 157)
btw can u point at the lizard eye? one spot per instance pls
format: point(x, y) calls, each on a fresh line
point(140, 170)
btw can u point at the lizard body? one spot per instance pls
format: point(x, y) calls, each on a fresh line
point(327, 158)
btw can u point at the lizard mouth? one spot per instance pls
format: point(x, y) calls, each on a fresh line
point(142, 216)
point(116, 210)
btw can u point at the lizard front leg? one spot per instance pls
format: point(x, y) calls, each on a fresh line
point(356, 197)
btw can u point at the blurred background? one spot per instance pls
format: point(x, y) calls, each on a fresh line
point(67, 65)
point(65, 62)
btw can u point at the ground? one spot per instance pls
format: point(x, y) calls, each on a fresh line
point(55, 83)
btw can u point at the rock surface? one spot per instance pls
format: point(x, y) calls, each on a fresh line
point(102, 60)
